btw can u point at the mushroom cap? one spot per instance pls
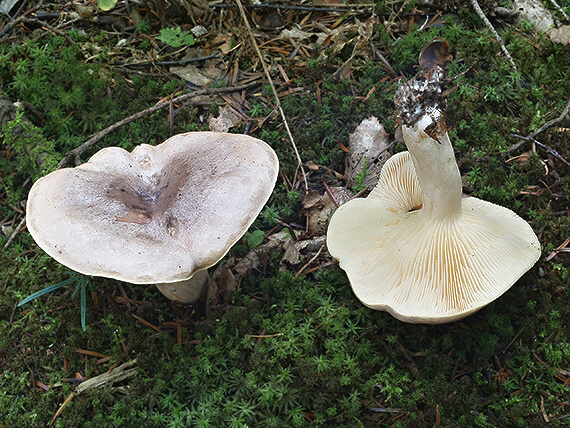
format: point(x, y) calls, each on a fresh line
point(158, 214)
point(425, 270)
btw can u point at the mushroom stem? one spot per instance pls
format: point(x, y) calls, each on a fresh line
point(187, 291)
point(436, 168)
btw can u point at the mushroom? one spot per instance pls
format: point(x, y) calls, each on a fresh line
point(415, 247)
point(158, 215)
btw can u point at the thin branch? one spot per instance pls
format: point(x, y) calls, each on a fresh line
point(306, 265)
point(383, 60)
point(35, 21)
point(117, 374)
point(552, 122)
point(500, 41)
point(557, 6)
point(12, 23)
point(78, 151)
point(165, 63)
point(277, 102)
point(558, 249)
point(349, 8)
point(15, 232)
point(338, 8)
point(544, 146)
point(542, 128)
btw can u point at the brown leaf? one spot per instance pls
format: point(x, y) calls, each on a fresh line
point(222, 42)
point(227, 119)
point(319, 208)
point(560, 35)
point(271, 19)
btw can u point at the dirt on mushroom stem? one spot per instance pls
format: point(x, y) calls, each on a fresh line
point(413, 98)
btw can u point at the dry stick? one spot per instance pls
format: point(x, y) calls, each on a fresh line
point(35, 21)
point(384, 60)
point(158, 62)
point(78, 151)
point(15, 232)
point(558, 249)
point(277, 102)
point(544, 146)
point(14, 22)
point(349, 8)
point(306, 265)
point(557, 6)
point(477, 8)
point(543, 128)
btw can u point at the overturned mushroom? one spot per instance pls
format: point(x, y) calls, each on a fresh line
point(160, 214)
point(415, 247)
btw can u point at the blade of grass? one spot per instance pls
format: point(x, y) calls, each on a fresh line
point(83, 282)
point(48, 289)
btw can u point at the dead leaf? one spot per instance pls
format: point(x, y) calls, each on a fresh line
point(560, 35)
point(295, 34)
point(271, 19)
point(209, 71)
point(345, 72)
point(191, 74)
point(222, 285)
point(292, 254)
point(226, 278)
point(319, 208)
point(227, 119)
point(222, 41)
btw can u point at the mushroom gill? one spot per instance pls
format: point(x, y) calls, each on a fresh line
point(415, 247)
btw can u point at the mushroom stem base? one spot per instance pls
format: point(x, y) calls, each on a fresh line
point(187, 291)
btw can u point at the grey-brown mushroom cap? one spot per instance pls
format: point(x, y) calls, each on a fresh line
point(157, 214)
point(423, 270)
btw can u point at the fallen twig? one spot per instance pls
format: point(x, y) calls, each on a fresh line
point(264, 336)
point(542, 128)
point(277, 102)
point(306, 265)
point(557, 6)
point(560, 248)
point(500, 41)
point(108, 378)
point(35, 21)
point(15, 232)
point(549, 149)
point(167, 63)
point(78, 151)
point(351, 8)
point(12, 23)
point(383, 60)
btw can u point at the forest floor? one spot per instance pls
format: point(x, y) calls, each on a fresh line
point(287, 344)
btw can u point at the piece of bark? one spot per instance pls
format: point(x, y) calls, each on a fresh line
point(369, 149)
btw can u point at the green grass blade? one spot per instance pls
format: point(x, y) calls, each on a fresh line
point(83, 282)
point(77, 287)
point(48, 289)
